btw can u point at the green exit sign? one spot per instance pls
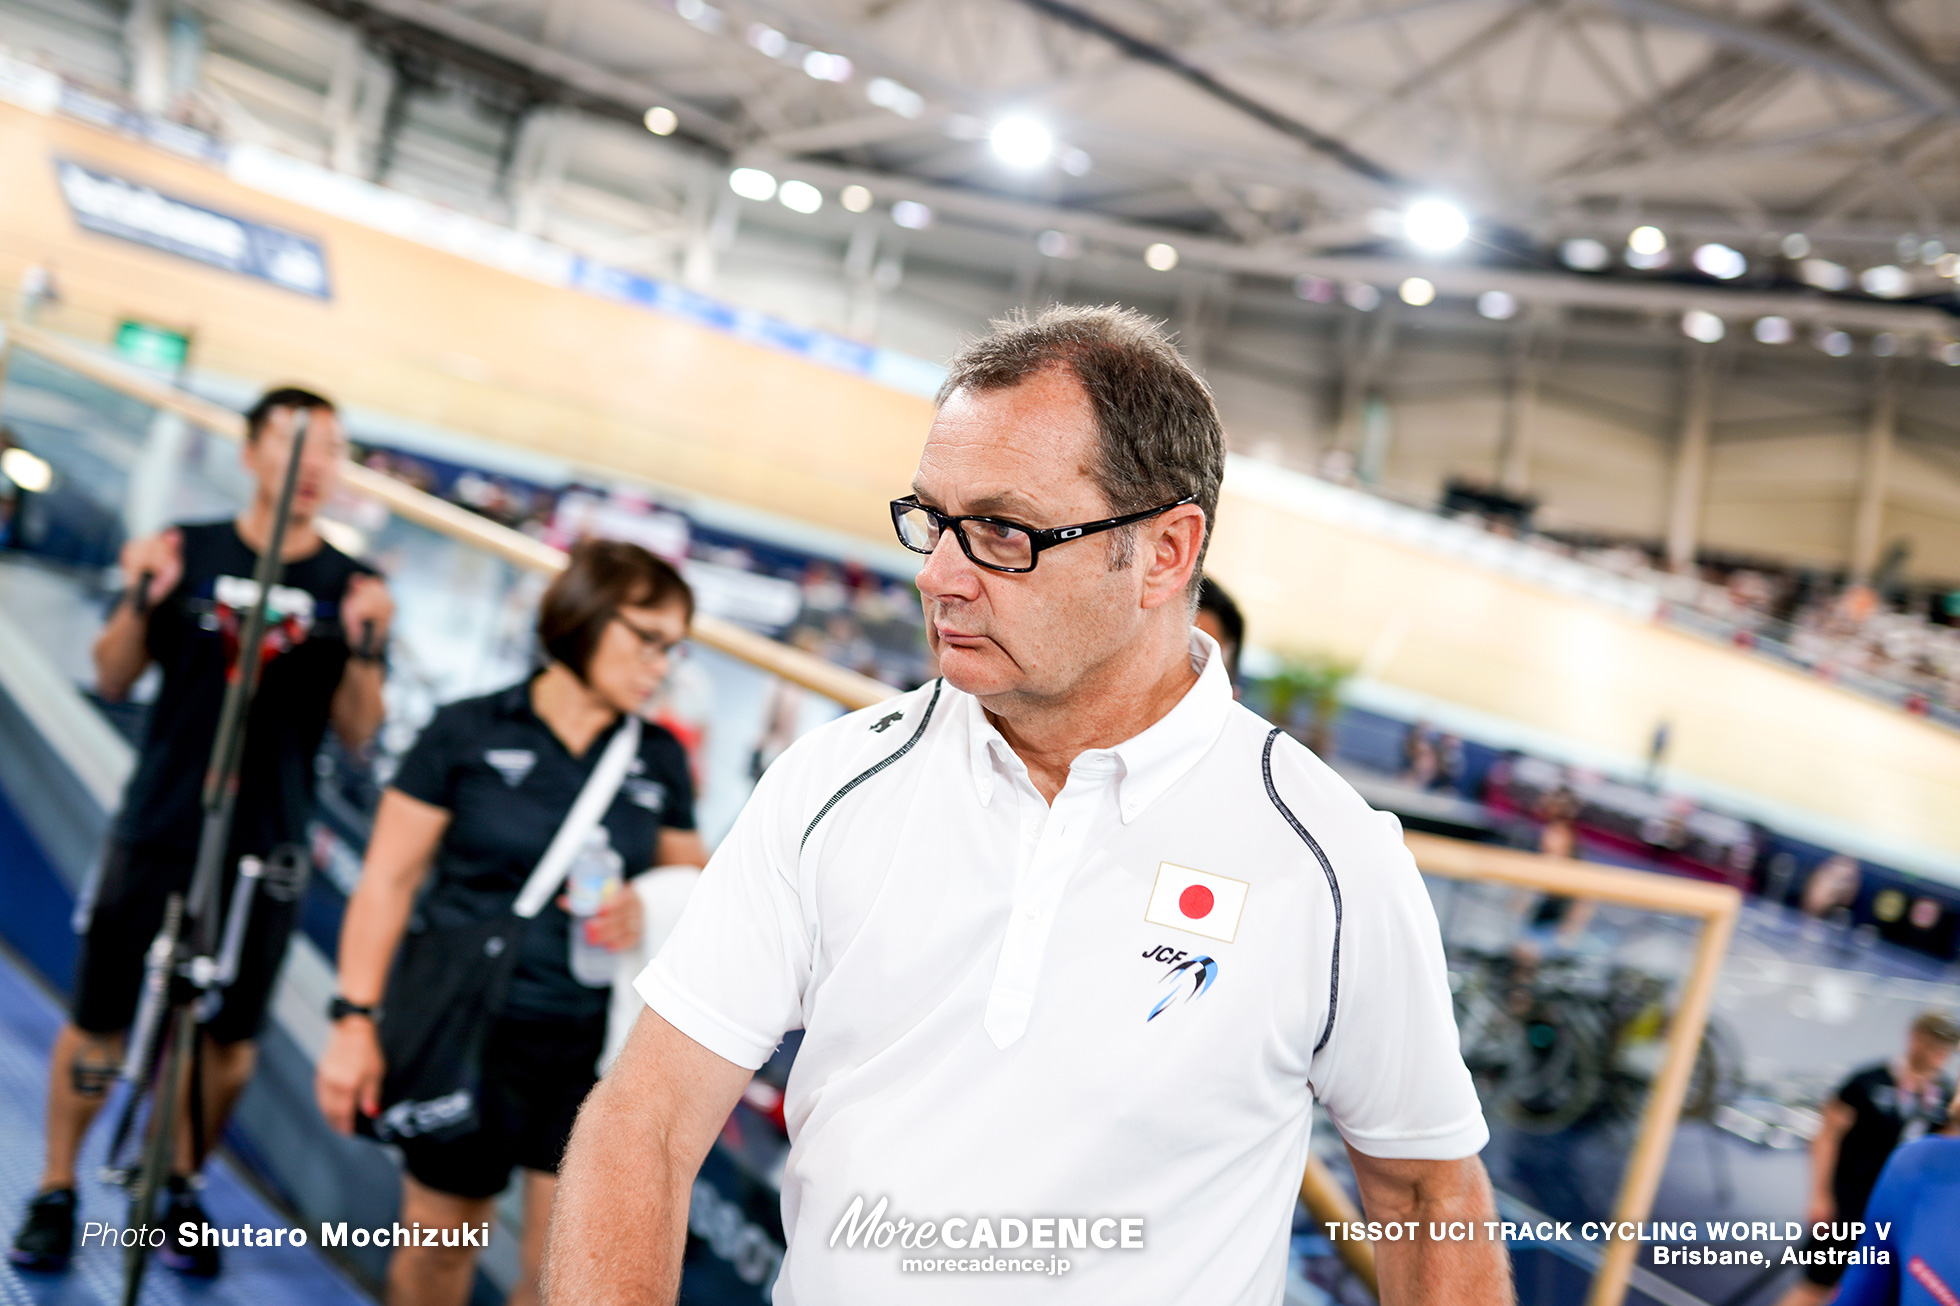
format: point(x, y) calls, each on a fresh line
point(152, 346)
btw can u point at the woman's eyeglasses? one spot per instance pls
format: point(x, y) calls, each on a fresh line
point(654, 647)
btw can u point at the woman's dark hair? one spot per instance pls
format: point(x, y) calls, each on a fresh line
point(602, 577)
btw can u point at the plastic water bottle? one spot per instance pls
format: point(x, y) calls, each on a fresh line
point(591, 883)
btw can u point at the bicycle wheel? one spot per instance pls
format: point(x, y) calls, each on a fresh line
point(1557, 1069)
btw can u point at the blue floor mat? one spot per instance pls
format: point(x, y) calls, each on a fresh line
point(258, 1276)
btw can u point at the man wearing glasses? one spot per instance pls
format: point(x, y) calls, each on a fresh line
point(1075, 940)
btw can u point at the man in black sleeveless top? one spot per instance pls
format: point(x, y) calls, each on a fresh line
point(190, 589)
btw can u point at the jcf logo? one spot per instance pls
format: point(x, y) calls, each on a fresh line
point(1186, 981)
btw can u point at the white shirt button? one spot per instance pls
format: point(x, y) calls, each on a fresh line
point(1032, 912)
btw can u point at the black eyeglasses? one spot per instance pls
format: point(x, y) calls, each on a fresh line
point(999, 544)
point(652, 646)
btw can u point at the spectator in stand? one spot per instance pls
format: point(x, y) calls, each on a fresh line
point(1912, 1217)
point(1832, 887)
point(1556, 921)
point(1874, 1111)
point(1221, 619)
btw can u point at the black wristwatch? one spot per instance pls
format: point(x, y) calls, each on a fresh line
point(340, 1007)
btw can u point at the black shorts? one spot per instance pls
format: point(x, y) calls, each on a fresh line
point(129, 900)
point(536, 1073)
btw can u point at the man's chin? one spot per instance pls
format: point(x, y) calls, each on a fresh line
point(981, 672)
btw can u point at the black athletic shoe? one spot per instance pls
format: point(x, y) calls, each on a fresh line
point(192, 1259)
point(47, 1236)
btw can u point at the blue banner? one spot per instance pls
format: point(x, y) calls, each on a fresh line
point(128, 210)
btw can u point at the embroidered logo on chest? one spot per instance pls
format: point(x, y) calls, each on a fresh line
point(513, 764)
point(650, 794)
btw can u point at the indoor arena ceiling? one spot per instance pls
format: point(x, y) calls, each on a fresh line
point(1816, 138)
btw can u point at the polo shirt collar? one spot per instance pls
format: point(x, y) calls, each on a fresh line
point(1148, 763)
point(516, 701)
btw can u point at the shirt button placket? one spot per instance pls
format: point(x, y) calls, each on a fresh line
point(1047, 865)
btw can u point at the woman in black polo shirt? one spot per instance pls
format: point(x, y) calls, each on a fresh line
point(478, 799)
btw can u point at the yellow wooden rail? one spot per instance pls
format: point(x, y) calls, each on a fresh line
point(1715, 905)
point(794, 665)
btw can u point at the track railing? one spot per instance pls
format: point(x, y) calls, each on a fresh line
point(1715, 906)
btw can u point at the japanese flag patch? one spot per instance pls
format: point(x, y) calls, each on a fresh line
point(1197, 901)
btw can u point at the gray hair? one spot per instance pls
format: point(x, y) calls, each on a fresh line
point(1158, 437)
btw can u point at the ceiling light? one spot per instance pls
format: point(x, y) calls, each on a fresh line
point(1700, 324)
point(768, 40)
point(1947, 265)
point(1021, 142)
point(1417, 291)
point(1835, 343)
point(661, 120)
point(801, 196)
point(1824, 274)
point(1435, 225)
point(1160, 257)
point(1950, 353)
point(29, 472)
point(1498, 305)
point(900, 99)
point(1932, 251)
point(911, 215)
point(1647, 240)
point(855, 198)
point(1887, 281)
point(1360, 295)
point(752, 183)
point(827, 67)
point(1058, 244)
point(1721, 262)
point(702, 14)
point(1583, 253)
point(1775, 330)
point(1796, 245)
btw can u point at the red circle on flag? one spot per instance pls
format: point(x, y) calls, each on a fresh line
point(1195, 902)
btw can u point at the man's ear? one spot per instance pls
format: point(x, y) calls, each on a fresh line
point(1170, 546)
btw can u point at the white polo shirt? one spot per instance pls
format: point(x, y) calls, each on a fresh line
point(1118, 1007)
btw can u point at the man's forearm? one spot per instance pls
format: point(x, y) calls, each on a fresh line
point(358, 707)
point(120, 654)
point(619, 1217)
point(1432, 1272)
point(1425, 1271)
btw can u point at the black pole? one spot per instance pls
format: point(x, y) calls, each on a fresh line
point(220, 800)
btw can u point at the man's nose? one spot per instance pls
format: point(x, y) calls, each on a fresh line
point(948, 570)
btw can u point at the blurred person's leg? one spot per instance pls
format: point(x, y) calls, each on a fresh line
point(80, 1071)
point(437, 1276)
point(227, 1068)
point(538, 1190)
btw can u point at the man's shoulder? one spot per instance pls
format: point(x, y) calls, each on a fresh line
point(842, 748)
point(1289, 775)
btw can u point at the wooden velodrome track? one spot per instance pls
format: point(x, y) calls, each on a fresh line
point(434, 337)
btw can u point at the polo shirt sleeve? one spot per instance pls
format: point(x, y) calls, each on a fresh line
point(733, 973)
point(428, 771)
point(1391, 1074)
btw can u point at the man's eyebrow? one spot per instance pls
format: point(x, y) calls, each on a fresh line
point(1004, 503)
